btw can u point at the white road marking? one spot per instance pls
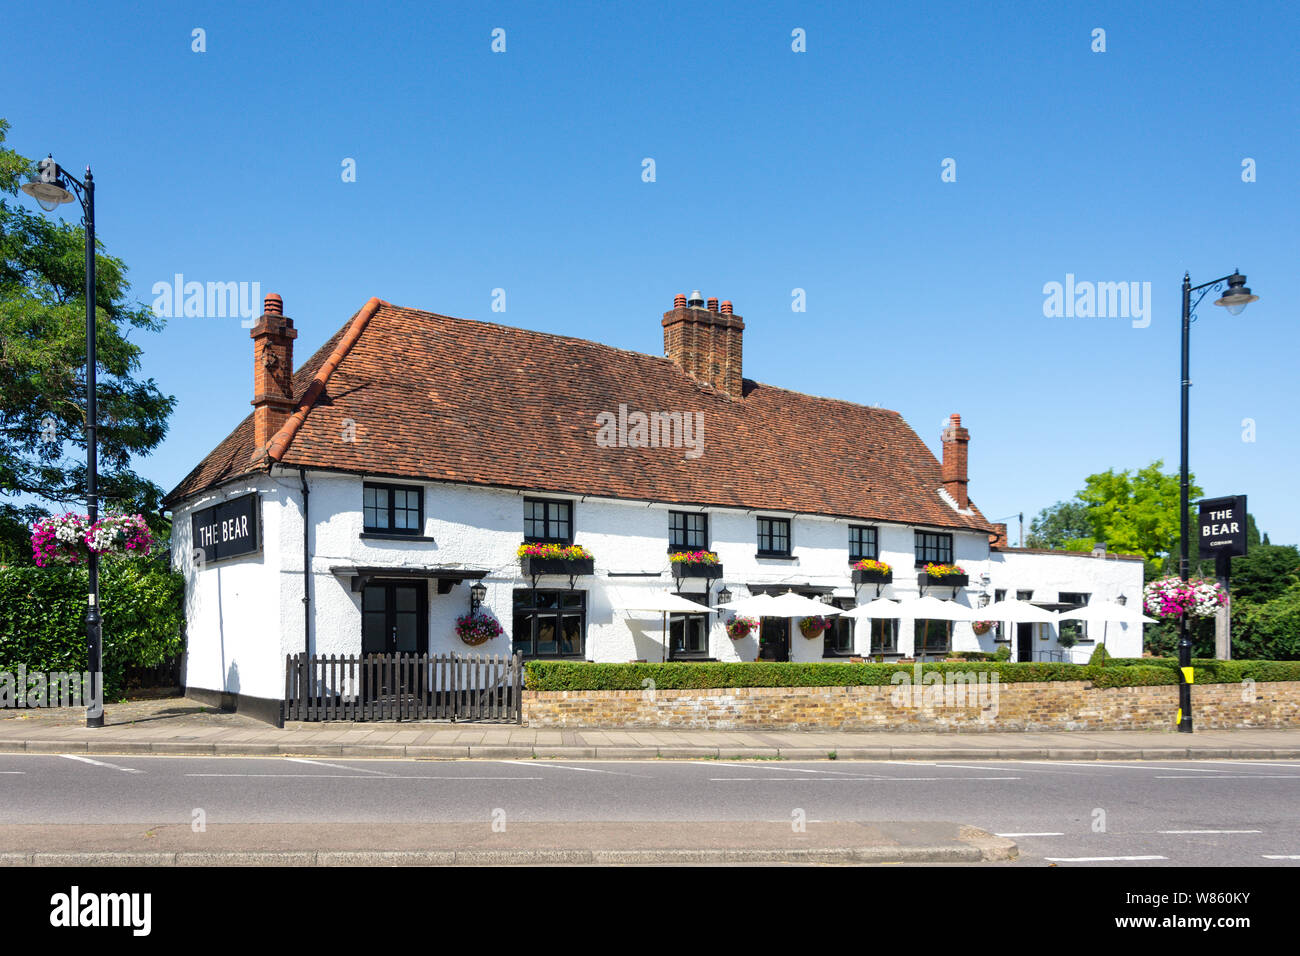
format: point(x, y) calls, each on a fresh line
point(1282, 856)
point(1018, 768)
point(837, 773)
point(13, 771)
point(1099, 859)
point(342, 776)
point(1235, 776)
point(336, 766)
point(1027, 834)
point(842, 779)
point(99, 763)
point(1209, 831)
point(559, 766)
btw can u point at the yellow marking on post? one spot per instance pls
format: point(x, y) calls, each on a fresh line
point(1179, 718)
point(1187, 675)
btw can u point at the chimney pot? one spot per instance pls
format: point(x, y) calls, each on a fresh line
point(273, 336)
point(955, 440)
point(706, 344)
point(679, 301)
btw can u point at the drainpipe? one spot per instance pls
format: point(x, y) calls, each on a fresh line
point(306, 563)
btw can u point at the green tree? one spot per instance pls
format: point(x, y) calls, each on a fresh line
point(43, 366)
point(1137, 512)
point(1057, 526)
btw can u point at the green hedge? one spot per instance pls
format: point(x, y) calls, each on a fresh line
point(1133, 676)
point(43, 617)
point(582, 675)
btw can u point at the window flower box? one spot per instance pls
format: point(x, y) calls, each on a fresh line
point(572, 560)
point(695, 564)
point(943, 575)
point(868, 571)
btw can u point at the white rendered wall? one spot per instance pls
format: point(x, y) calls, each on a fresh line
point(246, 614)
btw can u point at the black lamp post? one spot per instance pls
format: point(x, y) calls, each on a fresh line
point(1236, 298)
point(51, 190)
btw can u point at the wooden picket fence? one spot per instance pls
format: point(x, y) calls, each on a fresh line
point(455, 687)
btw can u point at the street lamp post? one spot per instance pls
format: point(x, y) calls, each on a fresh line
point(1236, 298)
point(51, 190)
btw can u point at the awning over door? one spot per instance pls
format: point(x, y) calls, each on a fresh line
point(447, 577)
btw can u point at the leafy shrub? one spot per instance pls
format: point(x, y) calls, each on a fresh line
point(583, 675)
point(1133, 676)
point(1099, 656)
point(43, 617)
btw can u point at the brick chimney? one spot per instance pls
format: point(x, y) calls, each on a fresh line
point(955, 439)
point(273, 337)
point(706, 341)
point(999, 537)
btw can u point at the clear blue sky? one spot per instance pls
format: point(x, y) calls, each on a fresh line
point(775, 170)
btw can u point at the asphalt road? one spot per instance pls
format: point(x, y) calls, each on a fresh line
point(1128, 813)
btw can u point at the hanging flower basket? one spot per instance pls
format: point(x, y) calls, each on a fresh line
point(739, 627)
point(811, 627)
point(71, 538)
point(1172, 597)
point(476, 629)
point(870, 571)
point(983, 627)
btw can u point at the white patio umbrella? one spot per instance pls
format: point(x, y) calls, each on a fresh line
point(665, 603)
point(1014, 611)
point(790, 604)
point(931, 608)
point(880, 607)
point(1104, 612)
point(749, 606)
point(934, 609)
point(1018, 612)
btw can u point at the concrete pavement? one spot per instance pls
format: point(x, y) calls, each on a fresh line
point(181, 726)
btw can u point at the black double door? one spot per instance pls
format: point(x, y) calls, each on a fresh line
point(395, 618)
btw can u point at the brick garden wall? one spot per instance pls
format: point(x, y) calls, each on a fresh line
point(1056, 705)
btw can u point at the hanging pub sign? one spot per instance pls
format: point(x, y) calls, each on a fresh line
point(1223, 527)
point(229, 529)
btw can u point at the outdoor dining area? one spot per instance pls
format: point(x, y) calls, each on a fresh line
point(933, 617)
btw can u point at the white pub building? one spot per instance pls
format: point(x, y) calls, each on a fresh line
point(374, 493)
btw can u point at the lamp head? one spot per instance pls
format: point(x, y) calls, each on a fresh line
point(48, 189)
point(1238, 295)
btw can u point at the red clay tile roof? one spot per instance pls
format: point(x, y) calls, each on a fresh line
point(446, 399)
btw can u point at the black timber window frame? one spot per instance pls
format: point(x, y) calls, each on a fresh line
point(548, 521)
point(774, 538)
point(1078, 629)
point(933, 547)
point(837, 640)
point(541, 612)
point(693, 626)
point(884, 636)
point(387, 509)
point(864, 542)
point(688, 531)
point(932, 637)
